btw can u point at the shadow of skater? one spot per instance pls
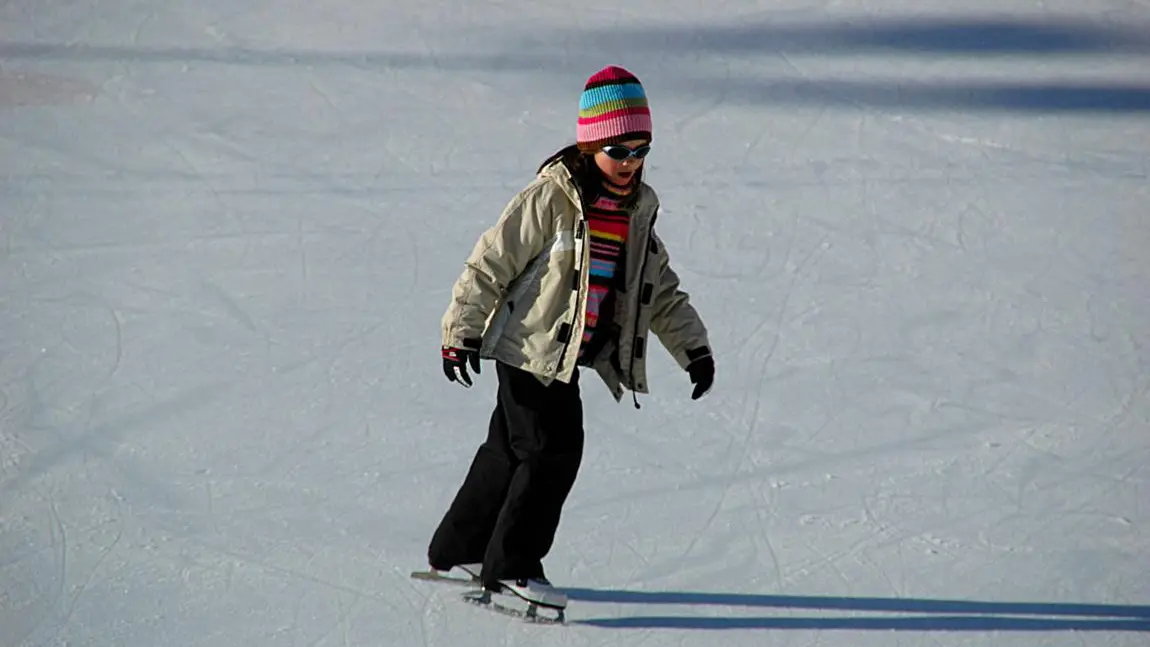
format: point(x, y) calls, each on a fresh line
point(924, 614)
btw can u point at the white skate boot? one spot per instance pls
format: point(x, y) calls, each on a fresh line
point(536, 590)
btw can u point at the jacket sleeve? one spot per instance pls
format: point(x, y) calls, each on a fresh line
point(673, 319)
point(500, 255)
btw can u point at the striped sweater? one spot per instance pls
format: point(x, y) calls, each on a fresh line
point(607, 222)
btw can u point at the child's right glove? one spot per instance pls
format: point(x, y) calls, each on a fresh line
point(455, 361)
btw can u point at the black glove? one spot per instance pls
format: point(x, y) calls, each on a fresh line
point(455, 361)
point(702, 373)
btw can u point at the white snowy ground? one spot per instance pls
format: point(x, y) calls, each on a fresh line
point(919, 231)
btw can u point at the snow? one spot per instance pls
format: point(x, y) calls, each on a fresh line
point(917, 230)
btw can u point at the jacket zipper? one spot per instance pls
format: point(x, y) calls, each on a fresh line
point(579, 231)
point(639, 303)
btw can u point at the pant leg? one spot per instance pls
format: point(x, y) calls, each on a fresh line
point(466, 528)
point(545, 434)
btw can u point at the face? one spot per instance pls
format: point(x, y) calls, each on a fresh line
point(620, 172)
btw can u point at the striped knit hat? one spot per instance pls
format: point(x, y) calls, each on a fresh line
point(612, 109)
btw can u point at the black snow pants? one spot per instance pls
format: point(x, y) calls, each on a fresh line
point(507, 511)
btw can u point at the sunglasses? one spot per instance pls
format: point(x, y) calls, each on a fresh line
point(621, 153)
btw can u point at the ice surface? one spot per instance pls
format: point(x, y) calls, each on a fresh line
point(917, 230)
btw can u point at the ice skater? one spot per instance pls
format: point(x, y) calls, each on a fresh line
point(572, 276)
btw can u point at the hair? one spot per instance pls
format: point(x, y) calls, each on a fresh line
point(581, 165)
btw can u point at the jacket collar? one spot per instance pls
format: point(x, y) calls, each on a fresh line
point(557, 172)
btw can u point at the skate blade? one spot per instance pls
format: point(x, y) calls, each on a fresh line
point(532, 612)
point(432, 576)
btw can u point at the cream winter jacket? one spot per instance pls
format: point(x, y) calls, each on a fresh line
point(524, 287)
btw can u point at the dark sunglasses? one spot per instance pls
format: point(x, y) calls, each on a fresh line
point(621, 153)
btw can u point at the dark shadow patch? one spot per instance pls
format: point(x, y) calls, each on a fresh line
point(916, 614)
point(1020, 96)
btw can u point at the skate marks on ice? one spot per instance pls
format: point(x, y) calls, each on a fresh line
point(884, 614)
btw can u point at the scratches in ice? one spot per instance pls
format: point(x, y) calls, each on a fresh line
point(229, 305)
point(741, 447)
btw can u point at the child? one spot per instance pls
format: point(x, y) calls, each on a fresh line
point(572, 276)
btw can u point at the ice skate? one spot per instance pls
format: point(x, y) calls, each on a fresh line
point(536, 590)
point(464, 574)
point(509, 596)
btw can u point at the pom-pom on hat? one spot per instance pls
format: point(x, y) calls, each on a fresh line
point(612, 109)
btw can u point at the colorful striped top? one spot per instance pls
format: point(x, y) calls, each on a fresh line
point(607, 222)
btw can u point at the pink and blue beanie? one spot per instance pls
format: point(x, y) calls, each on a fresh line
point(612, 109)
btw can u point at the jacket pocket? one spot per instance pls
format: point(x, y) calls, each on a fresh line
point(646, 294)
point(637, 350)
point(564, 335)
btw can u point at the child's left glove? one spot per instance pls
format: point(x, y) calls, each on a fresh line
point(702, 373)
point(455, 361)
